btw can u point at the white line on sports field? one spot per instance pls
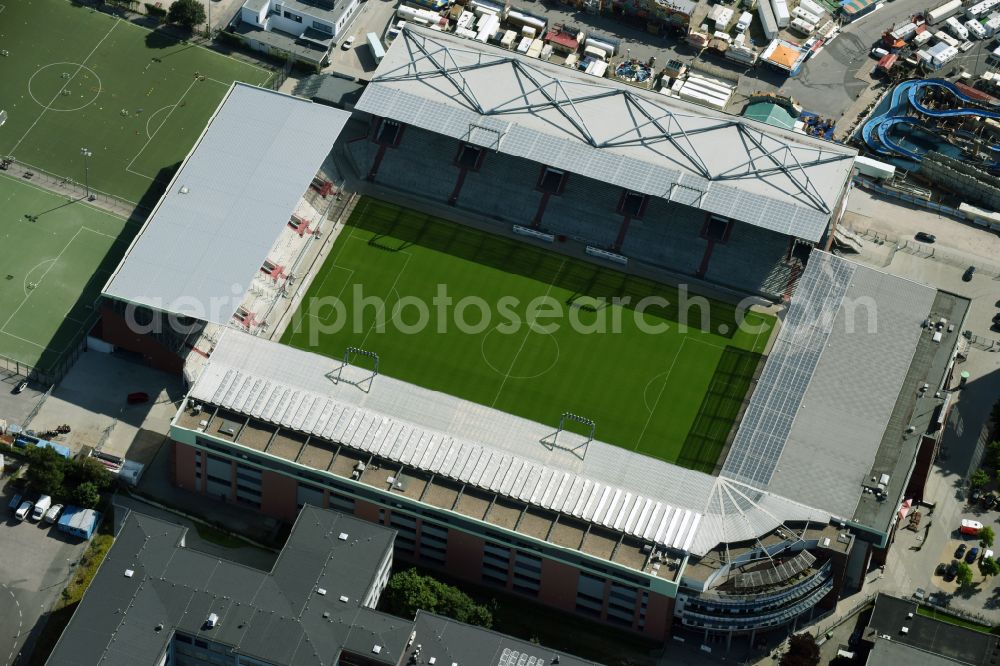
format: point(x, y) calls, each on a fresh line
point(39, 281)
point(79, 67)
point(382, 312)
point(666, 380)
point(526, 335)
point(150, 139)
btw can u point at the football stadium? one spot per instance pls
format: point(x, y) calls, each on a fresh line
point(670, 475)
point(673, 394)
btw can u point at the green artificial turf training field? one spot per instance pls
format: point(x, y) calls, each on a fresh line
point(53, 270)
point(75, 78)
point(666, 393)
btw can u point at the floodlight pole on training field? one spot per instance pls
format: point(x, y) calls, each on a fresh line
point(86, 171)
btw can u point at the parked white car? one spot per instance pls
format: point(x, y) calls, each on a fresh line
point(52, 515)
point(41, 506)
point(23, 510)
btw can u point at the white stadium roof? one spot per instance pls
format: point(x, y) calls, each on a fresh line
point(779, 180)
point(470, 443)
point(211, 231)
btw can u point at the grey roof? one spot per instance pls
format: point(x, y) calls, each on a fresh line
point(642, 141)
point(450, 642)
point(201, 247)
point(457, 439)
point(273, 616)
point(930, 641)
point(830, 386)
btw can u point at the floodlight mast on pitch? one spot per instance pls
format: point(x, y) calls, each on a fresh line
point(87, 154)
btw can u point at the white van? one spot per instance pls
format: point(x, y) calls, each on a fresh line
point(41, 506)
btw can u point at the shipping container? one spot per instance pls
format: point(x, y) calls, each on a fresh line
point(811, 7)
point(781, 13)
point(809, 17)
point(904, 32)
point(944, 11)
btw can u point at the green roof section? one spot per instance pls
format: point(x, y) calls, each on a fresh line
point(770, 113)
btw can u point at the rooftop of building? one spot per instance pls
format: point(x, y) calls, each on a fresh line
point(924, 641)
point(734, 559)
point(212, 231)
point(449, 642)
point(474, 460)
point(841, 386)
point(645, 142)
point(323, 9)
point(151, 586)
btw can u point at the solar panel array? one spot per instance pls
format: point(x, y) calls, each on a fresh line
point(775, 189)
point(516, 658)
point(776, 400)
point(463, 461)
point(774, 575)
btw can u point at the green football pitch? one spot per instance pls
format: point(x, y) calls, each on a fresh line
point(57, 255)
point(533, 333)
point(75, 78)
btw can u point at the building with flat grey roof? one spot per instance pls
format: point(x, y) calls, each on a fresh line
point(898, 634)
point(653, 179)
point(155, 602)
point(613, 535)
point(227, 236)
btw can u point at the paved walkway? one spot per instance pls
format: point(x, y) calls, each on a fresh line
point(76, 192)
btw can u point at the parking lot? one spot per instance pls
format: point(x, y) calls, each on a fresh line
point(35, 567)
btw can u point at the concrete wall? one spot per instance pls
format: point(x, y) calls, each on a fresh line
point(505, 190)
point(971, 184)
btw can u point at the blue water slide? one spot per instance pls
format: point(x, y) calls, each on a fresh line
point(876, 131)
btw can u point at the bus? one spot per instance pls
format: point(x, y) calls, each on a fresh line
point(375, 46)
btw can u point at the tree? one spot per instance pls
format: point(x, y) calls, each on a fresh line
point(979, 479)
point(88, 470)
point(989, 566)
point(46, 471)
point(409, 591)
point(991, 459)
point(802, 651)
point(963, 575)
point(986, 537)
point(186, 13)
point(86, 495)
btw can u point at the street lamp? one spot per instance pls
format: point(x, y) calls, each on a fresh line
point(86, 171)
